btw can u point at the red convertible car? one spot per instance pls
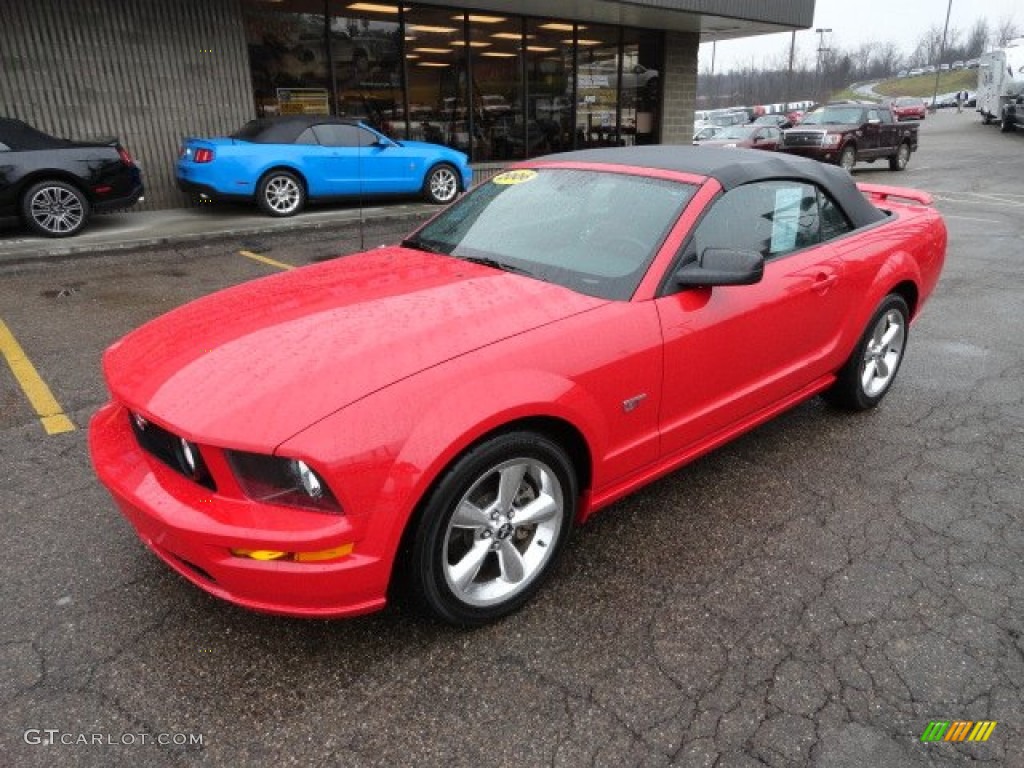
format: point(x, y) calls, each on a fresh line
point(436, 416)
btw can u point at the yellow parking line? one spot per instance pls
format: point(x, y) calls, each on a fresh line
point(266, 260)
point(39, 395)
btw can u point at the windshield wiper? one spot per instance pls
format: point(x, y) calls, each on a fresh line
point(494, 264)
point(427, 246)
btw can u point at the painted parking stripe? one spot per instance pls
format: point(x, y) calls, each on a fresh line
point(51, 415)
point(266, 260)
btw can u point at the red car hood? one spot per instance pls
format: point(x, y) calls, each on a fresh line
point(251, 366)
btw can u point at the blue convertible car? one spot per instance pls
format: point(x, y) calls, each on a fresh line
point(283, 162)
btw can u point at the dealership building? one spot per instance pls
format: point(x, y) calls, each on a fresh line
point(501, 80)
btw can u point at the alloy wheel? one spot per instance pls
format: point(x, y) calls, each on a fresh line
point(443, 185)
point(57, 210)
point(282, 194)
point(882, 353)
point(503, 532)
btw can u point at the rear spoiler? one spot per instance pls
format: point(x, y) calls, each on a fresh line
point(881, 193)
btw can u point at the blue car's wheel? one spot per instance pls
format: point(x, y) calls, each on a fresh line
point(441, 185)
point(281, 193)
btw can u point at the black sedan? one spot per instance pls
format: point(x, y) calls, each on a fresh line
point(53, 185)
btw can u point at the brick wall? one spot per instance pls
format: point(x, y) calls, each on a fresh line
point(680, 87)
point(147, 71)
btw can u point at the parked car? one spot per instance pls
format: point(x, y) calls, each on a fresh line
point(749, 136)
point(847, 132)
point(283, 162)
point(908, 108)
point(779, 121)
point(706, 132)
point(435, 417)
point(54, 185)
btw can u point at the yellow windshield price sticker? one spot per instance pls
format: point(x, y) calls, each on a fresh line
point(514, 177)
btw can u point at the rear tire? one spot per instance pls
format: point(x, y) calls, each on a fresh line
point(899, 161)
point(55, 209)
point(869, 373)
point(281, 193)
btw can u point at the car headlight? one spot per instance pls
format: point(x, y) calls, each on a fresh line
point(281, 480)
point(831, 139)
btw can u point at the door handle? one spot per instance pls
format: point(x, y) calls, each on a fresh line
point(823, 281)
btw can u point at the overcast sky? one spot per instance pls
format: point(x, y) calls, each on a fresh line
point(854, 22)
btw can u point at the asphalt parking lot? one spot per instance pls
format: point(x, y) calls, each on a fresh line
point(813, 594)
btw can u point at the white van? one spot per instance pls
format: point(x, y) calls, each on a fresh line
point(1000, 81)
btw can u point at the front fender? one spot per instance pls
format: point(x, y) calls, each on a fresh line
point(387, 450)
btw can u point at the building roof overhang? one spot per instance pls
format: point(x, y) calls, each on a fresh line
point(710, 19)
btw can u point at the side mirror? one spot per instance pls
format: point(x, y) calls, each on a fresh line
point(639, 69)
point(722, 266)
point(383, 143)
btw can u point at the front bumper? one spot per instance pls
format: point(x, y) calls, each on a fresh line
point(193, 530)
point(821, 154)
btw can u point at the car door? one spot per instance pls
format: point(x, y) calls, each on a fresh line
point(341, 165)
point(767, 137)
point(732, 351)
point(870, 140)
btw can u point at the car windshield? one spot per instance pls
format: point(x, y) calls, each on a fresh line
point(909, 102)
point(834, 116)
point(593, 232)
point(736, 132)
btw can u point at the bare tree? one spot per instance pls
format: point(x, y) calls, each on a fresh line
point(977, 40)
point(1006, 30)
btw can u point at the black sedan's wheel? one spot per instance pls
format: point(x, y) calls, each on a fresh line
point(848, 158)
point(899, 161)
point(493, 528)
point(441, 185)
point(54, 209)
point(281, 193)
point(870, 371)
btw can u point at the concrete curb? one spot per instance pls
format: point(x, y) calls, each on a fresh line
point(35, 250)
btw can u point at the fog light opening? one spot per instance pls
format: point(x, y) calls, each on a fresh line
point(319, 556)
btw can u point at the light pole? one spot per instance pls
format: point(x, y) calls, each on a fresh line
point(822, 31)
point(942, 54)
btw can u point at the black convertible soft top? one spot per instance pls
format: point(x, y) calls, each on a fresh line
point(284, 130)
point(19, 135)
point(733, 167)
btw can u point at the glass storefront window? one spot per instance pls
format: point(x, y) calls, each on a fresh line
point(597, 89)
point(435, 62)
point(640, 102)
point(496, 47)
point(498, 87)
point(549, 67)
point(365, 47)
point(288, 56)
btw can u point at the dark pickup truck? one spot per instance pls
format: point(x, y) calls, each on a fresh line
point(847, 133)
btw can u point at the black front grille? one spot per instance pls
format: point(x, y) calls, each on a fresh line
point(802, 139)
point(167, 447)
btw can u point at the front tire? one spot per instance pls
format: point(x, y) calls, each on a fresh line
point(1005, 124)
point(55, 209)
point(869, 373)
point(899, 161)
point(281, 193)
point(493, 529)
point(848, 158)
point(441, 185)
